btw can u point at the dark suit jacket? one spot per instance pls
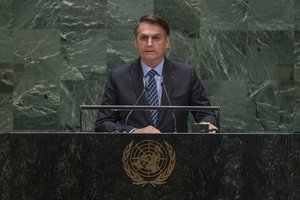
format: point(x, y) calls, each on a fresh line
point(125, 85)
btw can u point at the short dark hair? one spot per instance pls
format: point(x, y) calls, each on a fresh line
point(152, 19)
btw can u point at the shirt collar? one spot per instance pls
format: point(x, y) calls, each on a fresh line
point(158, 68)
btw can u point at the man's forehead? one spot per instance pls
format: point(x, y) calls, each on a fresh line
point(152, 29)
point(149, 34)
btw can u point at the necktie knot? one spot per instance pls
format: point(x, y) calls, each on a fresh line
point(151, 73)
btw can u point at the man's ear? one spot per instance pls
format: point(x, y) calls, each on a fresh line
point(168, 42)
point(135, 43)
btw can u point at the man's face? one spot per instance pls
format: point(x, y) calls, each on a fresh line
point(151, 43)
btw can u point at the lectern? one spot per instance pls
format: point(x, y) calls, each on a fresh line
point(120, 166)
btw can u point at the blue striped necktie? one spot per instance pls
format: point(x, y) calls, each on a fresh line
point(152, 98)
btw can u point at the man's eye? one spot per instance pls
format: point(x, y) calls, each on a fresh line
point(144, 38)
point(156, 38)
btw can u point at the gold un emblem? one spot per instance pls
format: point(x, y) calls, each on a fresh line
point(148, 162)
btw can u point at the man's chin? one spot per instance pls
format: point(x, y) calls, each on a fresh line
point(149, 56)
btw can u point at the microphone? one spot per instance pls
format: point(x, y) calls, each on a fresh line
point(137, 101)
point(172, 111)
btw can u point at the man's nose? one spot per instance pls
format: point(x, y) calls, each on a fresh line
point(149, 41)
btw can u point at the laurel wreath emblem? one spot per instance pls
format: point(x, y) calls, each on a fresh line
point(137, 179)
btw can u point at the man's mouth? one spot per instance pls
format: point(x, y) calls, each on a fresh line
point(149, 51)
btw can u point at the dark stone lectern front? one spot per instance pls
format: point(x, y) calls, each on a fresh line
point(141, 167)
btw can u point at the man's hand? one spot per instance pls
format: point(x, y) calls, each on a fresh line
point(147, 129)
point(211, 128)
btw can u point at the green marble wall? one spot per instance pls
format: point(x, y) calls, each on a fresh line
point(55, 55)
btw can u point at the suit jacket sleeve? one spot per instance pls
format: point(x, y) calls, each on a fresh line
point(199, 98)
point(108, 120)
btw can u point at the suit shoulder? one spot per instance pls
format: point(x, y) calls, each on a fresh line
point(124, 68)
point(180, 66)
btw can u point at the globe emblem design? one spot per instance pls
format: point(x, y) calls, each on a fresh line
point(148, 158)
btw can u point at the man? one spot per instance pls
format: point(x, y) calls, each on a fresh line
point(147, 81)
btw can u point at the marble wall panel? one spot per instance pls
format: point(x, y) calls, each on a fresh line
point(224, 15)
point(296, 93)
point(124, 14)
point(5, 14)
point(6, 96)
point(84, 52)
point(28, 14)
point(76, 15)
point(7, 46)
point(6, 71)
point(234, 113)
point(120, 47)
point(297, 56)
point(297, 14)
point(274, 103)
point(214, 54)
point(271, 15)
point(36, 105)
point(268, 52)
point(39, 51)
point(76, 93)
point(182, 15)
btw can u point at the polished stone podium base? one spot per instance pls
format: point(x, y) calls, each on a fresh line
point(141, 167)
